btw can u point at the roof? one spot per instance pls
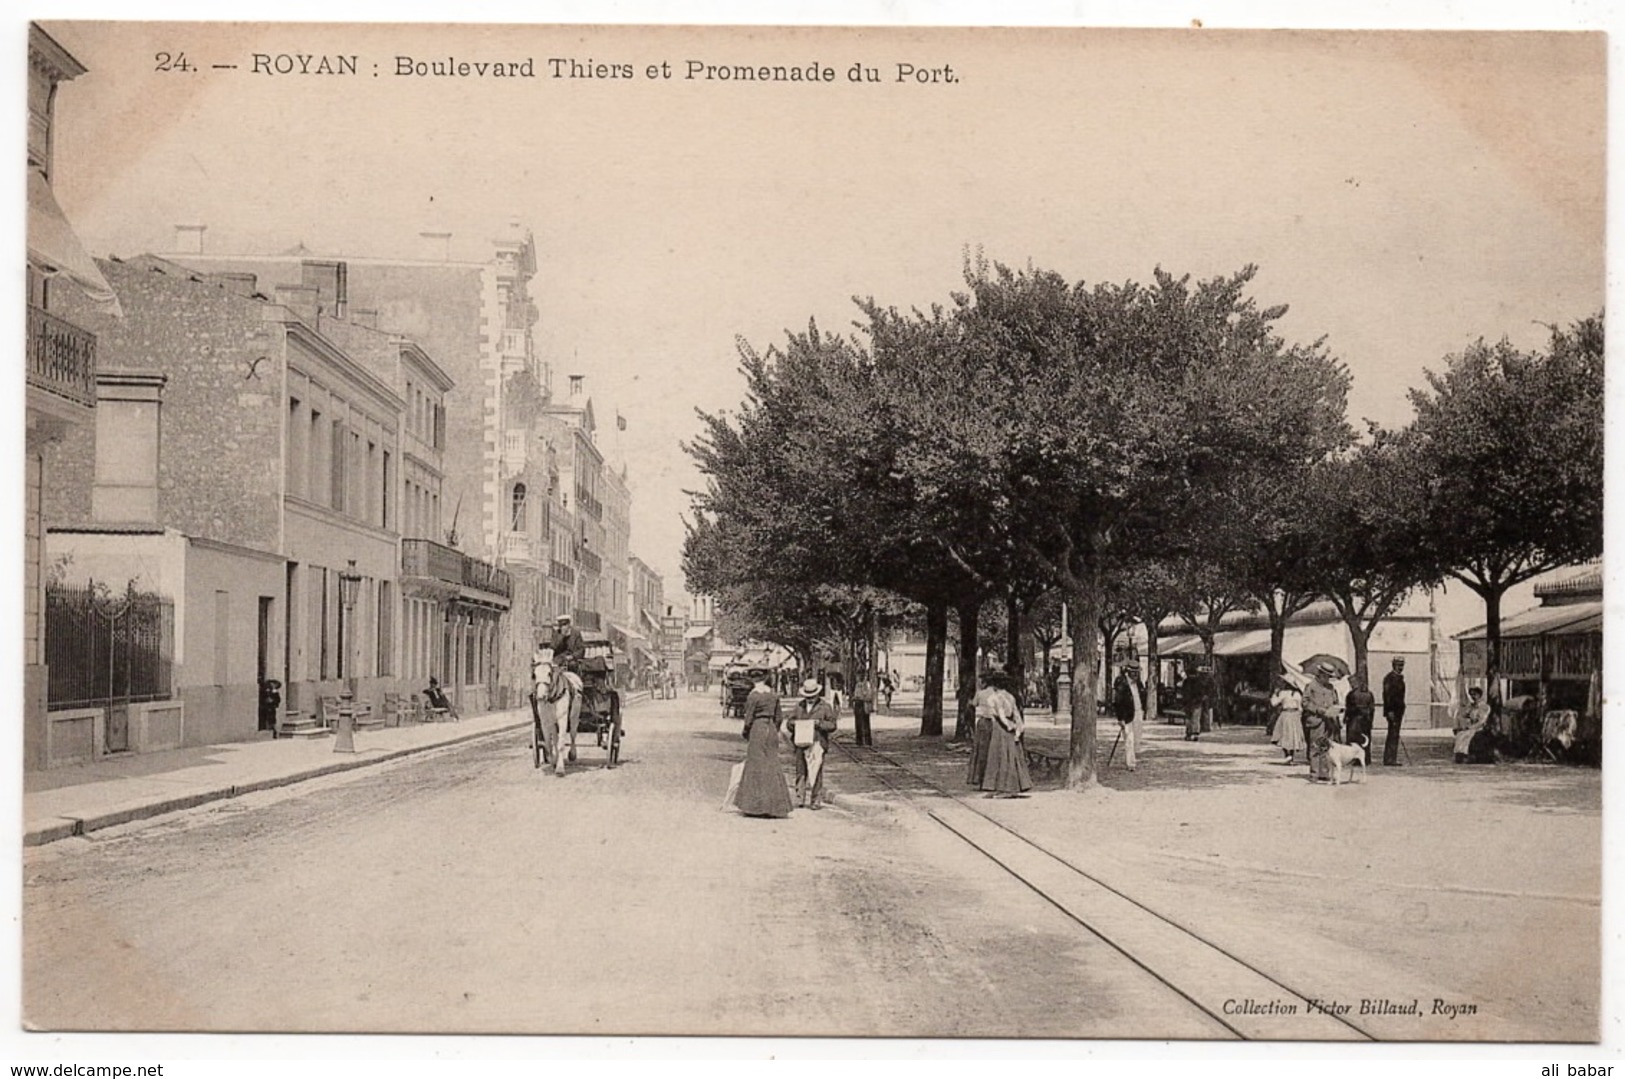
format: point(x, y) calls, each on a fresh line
point(1585, 581)
point(1238, 642)
point(1566, 618)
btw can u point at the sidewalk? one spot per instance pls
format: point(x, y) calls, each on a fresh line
point(63, 802)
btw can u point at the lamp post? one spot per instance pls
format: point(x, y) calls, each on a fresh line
point(349, 586)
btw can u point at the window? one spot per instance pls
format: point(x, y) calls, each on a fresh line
point(337, 470)
point(355, 484)
point(389, 485)
point(294, 470)
point(518, 522)
point(371, 486)
point(315, 478)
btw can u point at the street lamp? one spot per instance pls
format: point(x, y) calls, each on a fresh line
point(349, 589)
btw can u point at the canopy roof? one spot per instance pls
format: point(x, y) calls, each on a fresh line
point(1567, 618)
point(1233, 642)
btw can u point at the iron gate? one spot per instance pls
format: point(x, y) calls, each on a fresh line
point(108, 649)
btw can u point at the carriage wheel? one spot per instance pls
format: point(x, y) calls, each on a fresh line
point(614, 729)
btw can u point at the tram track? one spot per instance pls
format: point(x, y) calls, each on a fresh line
point(1240, 997)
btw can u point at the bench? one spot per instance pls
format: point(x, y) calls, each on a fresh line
point(1043, 762)
point(428, 713)
point(329, 709)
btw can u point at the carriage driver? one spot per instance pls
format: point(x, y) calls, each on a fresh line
point(568, 647)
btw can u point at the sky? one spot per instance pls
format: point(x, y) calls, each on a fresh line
point(1403, 194)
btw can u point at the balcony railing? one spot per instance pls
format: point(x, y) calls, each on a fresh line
point(591, 563)
point(486, 578)
point(426, 558)
point(516, 546)
point(561, 572)
point(589, 505)
point(61, 357)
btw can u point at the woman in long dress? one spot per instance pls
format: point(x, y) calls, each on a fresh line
point(1006, 774)
point(1289, 720)
point(762, 789)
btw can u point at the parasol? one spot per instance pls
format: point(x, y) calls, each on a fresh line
point(1339, 665)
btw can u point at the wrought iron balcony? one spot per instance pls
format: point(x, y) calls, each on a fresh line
point(589, 505)
point(561, 572)
point(427, 559)
point(61, 357)
point(591, 563)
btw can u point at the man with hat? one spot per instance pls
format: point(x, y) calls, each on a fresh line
point(1320, 720)
point(568, 647)
point(810, 724)
point(1198, 702)
point(1393, 710)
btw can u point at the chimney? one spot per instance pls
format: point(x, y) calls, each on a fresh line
point(189, 239)
point(436, 246)
point(302, 301)
point(238, 284)
point(575, 386)
point(331, 282)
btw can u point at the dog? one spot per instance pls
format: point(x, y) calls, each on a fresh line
point(1344, 757)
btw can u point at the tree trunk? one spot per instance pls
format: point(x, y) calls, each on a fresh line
point(1085, 602)
point(1014, 661)
point(1360, 636)
point(1492, 649)
point(1153, 672)
point(968, 612)
point(1277, 646)
point(1213, 703)
point(936, 655)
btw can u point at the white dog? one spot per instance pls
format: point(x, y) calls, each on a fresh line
point(1343, 758)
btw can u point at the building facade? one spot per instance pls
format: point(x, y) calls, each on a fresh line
point(475, 318)
point(60, 362)
point(255, 459)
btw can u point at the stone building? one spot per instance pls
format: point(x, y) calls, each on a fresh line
point(61, 365)
point(647, 603)
point(475, 318)
point(571, 428)
point(253, 464)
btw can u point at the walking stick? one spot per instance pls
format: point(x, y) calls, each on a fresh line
point(1113, 753)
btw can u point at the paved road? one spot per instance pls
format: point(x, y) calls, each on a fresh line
point(465, 892)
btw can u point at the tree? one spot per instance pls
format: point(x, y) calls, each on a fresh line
point(1368, 509)
point(1275, 567)
point(1512, 445)
point(1147, 586)
point(1090, 407)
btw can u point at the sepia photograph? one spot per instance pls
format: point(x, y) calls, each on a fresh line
point(1026, 533)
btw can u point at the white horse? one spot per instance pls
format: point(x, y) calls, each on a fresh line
point(551, 687)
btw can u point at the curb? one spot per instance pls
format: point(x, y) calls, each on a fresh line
point(77, 826)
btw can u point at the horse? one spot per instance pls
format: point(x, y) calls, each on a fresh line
point(551, 684)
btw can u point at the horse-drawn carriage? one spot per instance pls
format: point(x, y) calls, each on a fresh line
point(585, 701)
point(736, 685)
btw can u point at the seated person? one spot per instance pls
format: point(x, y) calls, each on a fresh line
point(1475, 743)
point(437, 697)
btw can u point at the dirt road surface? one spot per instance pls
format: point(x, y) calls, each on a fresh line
point(465, 892)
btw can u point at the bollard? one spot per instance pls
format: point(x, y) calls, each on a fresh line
point(345, 741)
